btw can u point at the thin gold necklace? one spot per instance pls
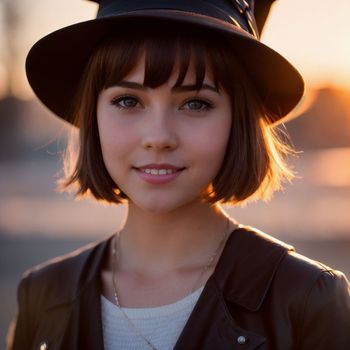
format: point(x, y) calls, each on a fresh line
point(114, 262)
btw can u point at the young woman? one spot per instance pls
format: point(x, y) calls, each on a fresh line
point(176, 103)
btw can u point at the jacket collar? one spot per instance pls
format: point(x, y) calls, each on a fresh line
point(243, 273)
point(247, 266)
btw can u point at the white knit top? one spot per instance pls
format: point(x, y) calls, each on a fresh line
point(161, 325)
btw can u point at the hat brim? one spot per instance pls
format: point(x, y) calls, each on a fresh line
point(55, 64)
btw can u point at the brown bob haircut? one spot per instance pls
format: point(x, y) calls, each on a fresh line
point(254, 165)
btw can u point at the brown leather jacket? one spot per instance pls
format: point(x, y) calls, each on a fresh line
point(262, 295)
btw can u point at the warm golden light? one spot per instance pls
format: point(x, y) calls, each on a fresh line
point(330, 167)
point(314, 35)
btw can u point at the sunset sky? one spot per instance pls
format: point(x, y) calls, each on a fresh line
point(313, 34)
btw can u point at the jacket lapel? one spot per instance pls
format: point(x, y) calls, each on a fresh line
point(211, 326)
point(84, 329)
point(73, 314)
point(247, 266)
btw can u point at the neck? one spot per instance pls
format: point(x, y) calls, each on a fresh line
point(156, 243)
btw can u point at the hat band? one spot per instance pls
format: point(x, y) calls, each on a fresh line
point(221, 10)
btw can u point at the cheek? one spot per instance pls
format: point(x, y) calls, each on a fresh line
point(215, 151)
point(208, 150)
point(115, 147)
point(211, 142)
point(115, 142)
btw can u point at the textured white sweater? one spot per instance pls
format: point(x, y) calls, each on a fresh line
point(161, 325)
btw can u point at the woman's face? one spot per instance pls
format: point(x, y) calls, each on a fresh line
point(162, 147)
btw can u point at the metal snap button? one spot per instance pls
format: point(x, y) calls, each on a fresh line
point(43, 346)
point(241, 340)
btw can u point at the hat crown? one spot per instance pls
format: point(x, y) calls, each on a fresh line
point(260, 8)
point(235, 12)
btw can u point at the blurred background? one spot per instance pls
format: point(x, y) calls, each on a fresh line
point(312, 213)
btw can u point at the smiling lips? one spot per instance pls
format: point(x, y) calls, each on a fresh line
point(158, 173)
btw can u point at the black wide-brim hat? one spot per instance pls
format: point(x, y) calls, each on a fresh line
point(55, 64)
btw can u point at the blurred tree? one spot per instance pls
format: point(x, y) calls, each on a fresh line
point(11, 17)
point(9, 106)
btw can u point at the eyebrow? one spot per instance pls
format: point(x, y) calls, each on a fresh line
point(182, 88)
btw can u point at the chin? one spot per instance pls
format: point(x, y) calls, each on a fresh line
point(161, 205)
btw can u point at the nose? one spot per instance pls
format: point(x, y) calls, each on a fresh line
point(159, 134)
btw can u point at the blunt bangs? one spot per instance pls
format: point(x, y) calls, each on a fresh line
point(117, 56)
